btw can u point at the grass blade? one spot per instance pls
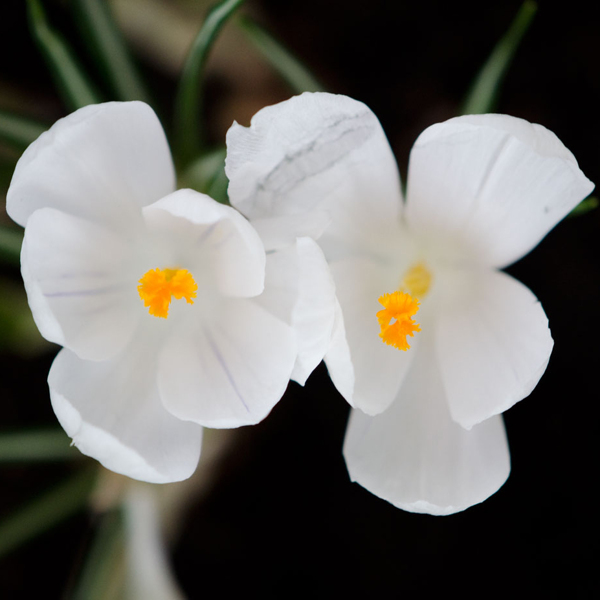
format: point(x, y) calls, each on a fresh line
point(19, 131)
point(484, 92)
point(41, 445)
point(108, 48)
point(47, 510)
point(72, 82)
point(10, 245)
point(103, 573)
point(295, 74)
point(189, 141)
point(585, 206)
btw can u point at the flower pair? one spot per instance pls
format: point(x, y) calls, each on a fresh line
point(419, 329)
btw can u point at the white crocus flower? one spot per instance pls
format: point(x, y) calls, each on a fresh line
point(155, 294)
point(482, 192)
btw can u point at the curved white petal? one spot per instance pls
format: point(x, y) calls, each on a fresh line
point(77, 283)
point(314, 312)
point(338, 358)
point(414, 456)
point(278, 232)
point(487, 188)
point(300, 291)
point(113, 412)
point(102, 162)
point(378, 369)
point(492, 342)
point(194, 230)
point(313, 153)
point(229, 370)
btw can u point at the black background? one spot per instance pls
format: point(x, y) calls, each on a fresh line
point(282, 515)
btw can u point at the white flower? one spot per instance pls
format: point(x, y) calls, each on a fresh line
point(482, 192)
point(155, 294)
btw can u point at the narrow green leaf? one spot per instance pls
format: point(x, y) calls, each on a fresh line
point(41, 445)
point(72, 82)
point(296, 75)
point(484, 92)
point(10, 245)
point(108, 48)
point(207, 175)
point(585, 206)
point(18, 333)
point(47, 510)
point(102, 576)
point(19, 131)
point(189, 140)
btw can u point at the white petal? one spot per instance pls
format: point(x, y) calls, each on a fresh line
point(492, 341)
point(149, 574)
point(112, 411)
point(313, 153)
point(76, 277)
point(300, 291)
point(315, 310)
point(198, 228)
point(278, 232)
point(228, 371)
point(338, 358)
point(414, 456)
point(378, 369)
point(487, 188)
point(103, 162)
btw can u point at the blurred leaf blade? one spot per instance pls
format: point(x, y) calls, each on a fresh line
point(46, 510)
point(102, 576)
point(10, 245)
point(484, 92)
point(19, 131)
point(41, 445)
point(72, 82)
point(585, 206)
point(207, 175)
point(109, 49)
point(189, 140)
point(295, 74)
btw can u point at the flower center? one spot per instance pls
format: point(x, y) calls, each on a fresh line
point(157, 287)
point(395, 320)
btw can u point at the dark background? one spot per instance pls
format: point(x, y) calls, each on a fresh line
point(282, 515)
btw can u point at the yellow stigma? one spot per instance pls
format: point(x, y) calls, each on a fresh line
point(401, 306)
point(157, 287)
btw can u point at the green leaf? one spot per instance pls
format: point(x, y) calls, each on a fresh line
point(106, 44)
point(207, 175)
point(10, 245)
point(483, 95)
point(71, 80)
point(18, 334)
point(41, 445)
point(296, 75)
point(189, 140)
point(19, 131)
point(590, 203)
point(47, 510)
point(103, 574)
